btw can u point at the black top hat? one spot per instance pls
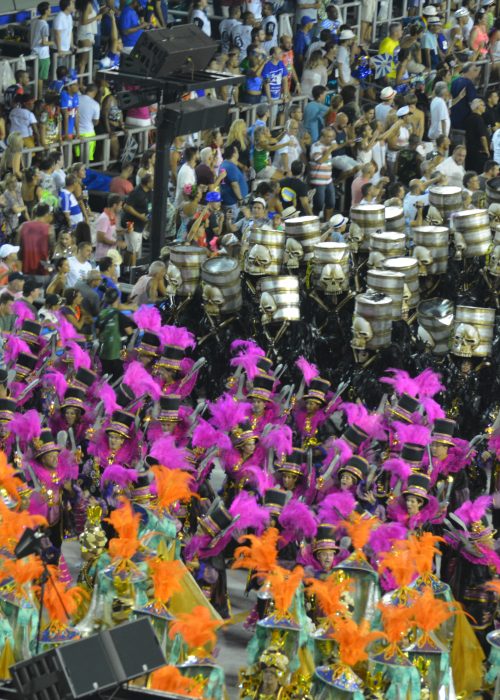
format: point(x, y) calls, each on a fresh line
point(418, 485)
point(124, 395)
point(325, 538)
point(217, 520)
point(74, 397)
point(318, 389)
point(45, 443)
point(7, 409)
point(405, 406)
point(84, 378)
point(141, 490)
point(412, 453)
point(149, 344)
point(357, 466)
point(293, 462)
point(121, 423)
point(275, 500)
point(264, 365)
point(262, 387)
point(171, 357)
point(244, 431)
point(25, 363)
point(354, 435)
point(442, 430)
point(30, 330)
point(169, 408)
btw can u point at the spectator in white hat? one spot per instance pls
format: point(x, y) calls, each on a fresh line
point(386, 105)
point(346, 40)
point(9, 262)
point(464, 22)
point(431, 53)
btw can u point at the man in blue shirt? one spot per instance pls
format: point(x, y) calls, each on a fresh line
point(315, 112)
point(301, 43)
point(70, 102)
point(275, 76)
point(130, 25)
point(463, 86)
point(234, 187)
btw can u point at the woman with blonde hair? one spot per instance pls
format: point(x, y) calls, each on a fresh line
point(11, 160)
point(314, 73)
point(237, 135)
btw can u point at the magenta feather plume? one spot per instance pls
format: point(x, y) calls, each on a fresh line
point(140, 381)
point(197, 547)
point(382, 538)
point(416, 434)
point(66, 331)
point(248, 358)
point(147, 318)
point(108, 397)
point(401, 382)
point(206, 436)
point(22, 312)
point(429, 383)
point(227, 413)
point(121, 476)
point(67, 467)
point(473, 511)
point(336, 507)
point(13, 346)
point(279, 438)
point(252, 515)
point(26, 426)
point(259, 479)
point(372, 423)
point(246, 346)
point(494, 445)
point(177, 335)
point(398, 468)
point(308, 369)
point(297, 521)
point(169, 455)
point(56, 379)
point(81, 358)
point(341, 448)
point(432, 409)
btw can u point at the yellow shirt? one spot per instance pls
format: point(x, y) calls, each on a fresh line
point(389, 46)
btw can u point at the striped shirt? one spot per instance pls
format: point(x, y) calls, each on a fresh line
point(320, 173)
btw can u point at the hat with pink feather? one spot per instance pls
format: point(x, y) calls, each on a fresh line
point(7, 409)
point(149, 344)
point(84, 378)
point(473, 516)
point(25, 364)
point(44, 443)
point(325, 539)
point(275, 500)
point(262, 388)
point(443, 430)
point(176, 340)
point(169, 408)
point(74, 398)
point(356, 466)
point(122, 423)
point(293, 463)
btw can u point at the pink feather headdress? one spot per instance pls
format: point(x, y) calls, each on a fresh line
point(147, 318)
point(381, 538)
point(308, 369)
point(494, 445)
point(81, 358)
point(178, 336)
point(279, 438)
point(227, 413)
point(252, 515)
point(372, 423)
point(472, 511)
point(66, 331)
point(169, 455)
point(206, 436)
point(415, 434)
point(399, 470)
point(57, 380)
point(297, 521)
point(248, 356)
point(121, 476)
point(424, 386)
point(259, 479)
point(13, 346)
point(140, 381)
point(341, 448)
point(26, 426)
point(400, 381)
point(67, 467)
point(108, 397)
point(336, 507)
point(22, 312)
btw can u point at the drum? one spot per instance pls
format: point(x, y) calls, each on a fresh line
point(265, 252)
point(409, 267)
point(435, 319)
point(306, 230)
point(435, 239)
point(395, 219)
point(372, 321)
point(446, 199)
point(283, 293)
point(474, 225)
point(369, 218)
point(390, 284)
point(473, 331)
point(328, 253)
point(224, 273)
point(188, 259)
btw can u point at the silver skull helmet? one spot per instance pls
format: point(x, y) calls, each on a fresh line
point(362, 333)
point(465, 340)
point(405, 308)
point(267, 307)
point(332, 279)
point(356, 236)
point(425, 259)
point(213, 299)
point(174, 279)
point(460, 245)
point(375, 260)
point(258, 260)
point(494, 262)
point(293, 254)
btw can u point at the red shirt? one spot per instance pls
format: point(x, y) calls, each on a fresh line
point(34, 239)
point(121, 186)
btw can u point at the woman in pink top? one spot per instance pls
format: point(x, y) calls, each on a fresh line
point(479, 39)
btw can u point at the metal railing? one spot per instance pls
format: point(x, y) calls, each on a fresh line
point(14, 64)
point(69, 60)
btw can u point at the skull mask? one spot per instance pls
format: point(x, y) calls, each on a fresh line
point(356, 236)
point(213, 299)
point(460, 245)
point(268, 307)
point(405, 308)
point(362, 333)
point(174, 279)
point(332, 279)
point(258, 260)
point(375, 260)
point(424, 257)
point(465, 340)
point(293, 254)
point(494, 262)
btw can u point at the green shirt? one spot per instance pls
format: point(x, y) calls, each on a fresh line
point(108, 324)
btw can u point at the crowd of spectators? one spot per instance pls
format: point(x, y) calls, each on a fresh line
point(316, 128)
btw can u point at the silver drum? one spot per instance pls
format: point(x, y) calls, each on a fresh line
point(188, 259)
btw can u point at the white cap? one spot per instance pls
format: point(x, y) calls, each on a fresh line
point(8, 249)
point(387, 93)
point(260, 200)
point(429, 11)
point(434, 20)
point(346, 34)
point(403, 111)
point(338, 220)
point(289, 213)
point(462, 12)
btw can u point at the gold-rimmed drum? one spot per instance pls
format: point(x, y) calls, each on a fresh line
point(409, 267)
point(188, 259)
point(224, 274)
point(306, 230)
point(474, 226)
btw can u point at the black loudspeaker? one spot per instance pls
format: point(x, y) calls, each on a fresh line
point(92, 665)
point(194, 115)
point(161, 52)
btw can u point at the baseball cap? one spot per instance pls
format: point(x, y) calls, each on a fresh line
point(15, 276)
point(307, 20)
point(7, 249)
point(462, 12)
point(429, 11)
point(260, 200)
point(337, 220)
point(346, 34)
point(403, 111)
point(213, 197)
point(387, 93)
